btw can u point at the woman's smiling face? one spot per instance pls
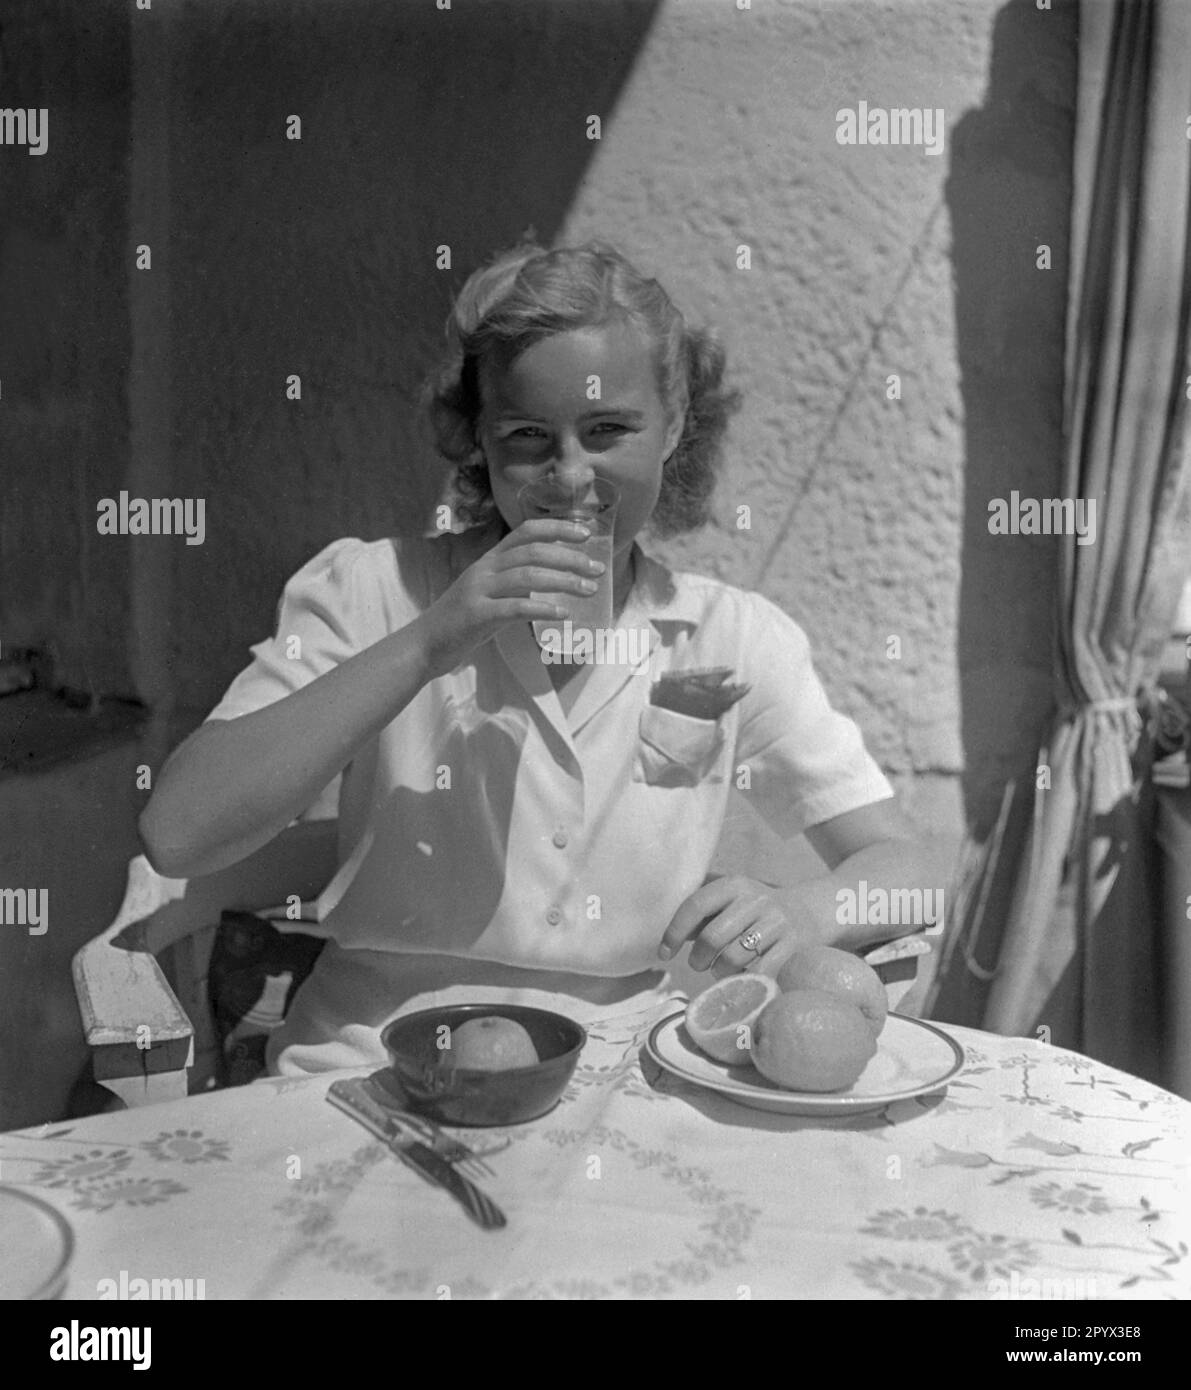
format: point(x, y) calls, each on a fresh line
point(538, 420)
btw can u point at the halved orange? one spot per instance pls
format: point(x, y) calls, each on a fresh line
point(720, 1020)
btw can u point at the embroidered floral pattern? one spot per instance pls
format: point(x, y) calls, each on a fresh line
point(721, 1235)
point(960, 1158)
point(906, 1280)
point(128, 1192)
point(1079, 1197)
point(1065, 1112)
point(81, 1168)
point(972, 1253)
point(920, 1224)
point(1060, 1149)
point(186, 1146)
point(282, 1085)
point(625, 1073)
point(983, 1256)
point(1158, 1271)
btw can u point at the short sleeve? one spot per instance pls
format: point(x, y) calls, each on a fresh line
point(807, 762)
point(330, 610)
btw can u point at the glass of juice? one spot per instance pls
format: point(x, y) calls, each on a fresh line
point(593, 503)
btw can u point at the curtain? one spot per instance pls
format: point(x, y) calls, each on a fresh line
point(1057, 932)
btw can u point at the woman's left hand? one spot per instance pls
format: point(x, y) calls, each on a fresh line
point(736, 924)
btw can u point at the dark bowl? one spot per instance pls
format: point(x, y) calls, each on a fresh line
point(461, 1096)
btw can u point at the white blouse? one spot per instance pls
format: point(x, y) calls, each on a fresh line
point(487, 824)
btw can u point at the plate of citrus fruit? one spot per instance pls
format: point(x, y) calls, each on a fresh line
point(817, 1039)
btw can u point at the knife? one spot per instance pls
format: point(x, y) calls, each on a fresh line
point(351, 1097)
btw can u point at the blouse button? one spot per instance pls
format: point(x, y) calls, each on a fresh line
point(554, 916)
point(561, 838)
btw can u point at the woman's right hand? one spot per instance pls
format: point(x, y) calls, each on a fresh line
point(498, 588)
point(235, 784)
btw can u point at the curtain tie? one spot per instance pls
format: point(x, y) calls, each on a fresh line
point(1119, 703)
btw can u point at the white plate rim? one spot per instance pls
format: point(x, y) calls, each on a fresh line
point(52, 1284)
point(809, 1101)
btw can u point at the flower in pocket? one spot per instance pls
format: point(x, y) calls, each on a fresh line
point(701, 693)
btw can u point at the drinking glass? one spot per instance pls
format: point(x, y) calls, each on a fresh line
point(594, 503)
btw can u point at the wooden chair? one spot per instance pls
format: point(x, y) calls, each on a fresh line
point(140, 1035)
point(898, 963)
point(141, 1038)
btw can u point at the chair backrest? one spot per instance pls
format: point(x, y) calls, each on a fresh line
point(141, 1038)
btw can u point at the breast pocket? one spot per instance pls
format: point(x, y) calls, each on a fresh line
point(676, 750)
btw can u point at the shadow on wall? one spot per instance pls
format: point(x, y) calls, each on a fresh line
point(1009, 192)
point(420, 128)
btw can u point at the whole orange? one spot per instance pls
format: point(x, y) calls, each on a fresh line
point(838, 972)
point(809, 1040)
point(489, 1044)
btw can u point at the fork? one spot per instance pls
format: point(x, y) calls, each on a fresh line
point(453, 1150)
point(353, 1098)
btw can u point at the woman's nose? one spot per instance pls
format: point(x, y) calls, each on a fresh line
point(571, 464)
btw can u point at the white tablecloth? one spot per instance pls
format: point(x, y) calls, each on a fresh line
point(1037, 1172)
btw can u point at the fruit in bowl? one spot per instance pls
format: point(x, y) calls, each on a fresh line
point(505, 1063)
point(489, 1044)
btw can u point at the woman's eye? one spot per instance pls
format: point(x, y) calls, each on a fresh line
point(534, 434)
